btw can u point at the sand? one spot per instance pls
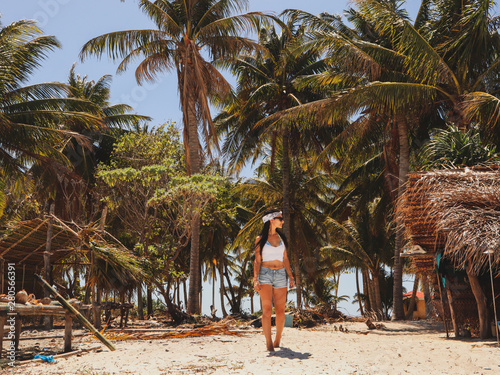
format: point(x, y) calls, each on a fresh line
point(417, 347)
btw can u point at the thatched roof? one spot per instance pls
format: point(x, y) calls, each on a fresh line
point(25, 242)
point(457, 211)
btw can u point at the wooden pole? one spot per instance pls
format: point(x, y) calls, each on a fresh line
point(47, 272)
point(76, 313)
point(67, 332)
point(3, 277)
point(442, 303)
point(489, 252)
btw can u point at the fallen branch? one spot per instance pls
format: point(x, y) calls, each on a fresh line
point(219, 328)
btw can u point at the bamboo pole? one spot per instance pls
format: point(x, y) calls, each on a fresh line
point(79, 316)
point(47, 267)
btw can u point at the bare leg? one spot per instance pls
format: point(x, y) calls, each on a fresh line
point(266, 298)
point(279, 309)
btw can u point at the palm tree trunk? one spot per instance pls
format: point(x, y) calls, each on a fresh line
point(184, 290)
point(413, 299)
point(404, 167)
point(222, 288)
point(293, 250)
point(359, 293)
point(427, 296)
point(194, 161)
point(149, 301)
point(213, 284)
point(481, 301)
point(140, 303)
point(366, 290)
point(369, 291)
point(376, 293)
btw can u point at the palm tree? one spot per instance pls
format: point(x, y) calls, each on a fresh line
point(364, 241)
point(410, 76)
point(452, 148)
point(266, 86)
point(32, 116)
point(185, 28)
point(73, 187)
point(309, 189)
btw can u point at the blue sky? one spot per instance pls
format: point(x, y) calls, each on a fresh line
point(74, 22)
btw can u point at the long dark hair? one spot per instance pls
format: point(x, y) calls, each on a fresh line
point(264, 234)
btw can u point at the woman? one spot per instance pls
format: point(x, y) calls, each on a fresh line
point(270, 270)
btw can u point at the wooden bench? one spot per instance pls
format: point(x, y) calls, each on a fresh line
point(6, 313)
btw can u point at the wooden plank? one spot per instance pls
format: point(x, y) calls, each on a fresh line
point(22, 309)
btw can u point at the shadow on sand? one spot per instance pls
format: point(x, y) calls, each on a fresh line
point(289, 353)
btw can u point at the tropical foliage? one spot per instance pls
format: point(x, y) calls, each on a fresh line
point(332, 114)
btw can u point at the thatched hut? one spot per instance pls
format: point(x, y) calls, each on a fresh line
point(453, 216)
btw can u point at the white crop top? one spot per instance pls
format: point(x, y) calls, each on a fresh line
point(270, 252)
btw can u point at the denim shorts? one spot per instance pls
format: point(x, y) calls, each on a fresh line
point(276, 278)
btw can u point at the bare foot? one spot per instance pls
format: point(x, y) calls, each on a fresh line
point(270, 348)
point(276, 344)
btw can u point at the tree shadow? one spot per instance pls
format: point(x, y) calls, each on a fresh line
point(289, 353)
point(410, 327)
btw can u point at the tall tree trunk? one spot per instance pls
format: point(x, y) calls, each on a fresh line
point(413, 299)
point(376, 294)
point(140, 303)
point(292, 250)
point(184, 290)
point(482, 306)
point(404, 167)
point(366, 290)
point(213, 285)
point(222, 289)
point(359, 293)
point(149, 301)
point(427, 296)
point(194, 163)
point(449, 296)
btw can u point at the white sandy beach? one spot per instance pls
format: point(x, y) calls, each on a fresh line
point(397, 348)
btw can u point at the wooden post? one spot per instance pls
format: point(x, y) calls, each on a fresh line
point(442, 303)
point(481, 301)
point(47, 267)
point(3, 319)
point(17, 327)
point(3, 275)
point(67, 332)
point(452, 312)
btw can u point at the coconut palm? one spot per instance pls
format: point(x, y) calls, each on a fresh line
point(306, 202)
point(116, 117)
point(266, 86)
point(364, 241)
point(184, 29)
point(452, 148)
point(33, 117)
point(410, 76)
